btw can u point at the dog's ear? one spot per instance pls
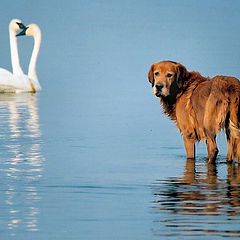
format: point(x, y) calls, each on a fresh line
point(151, 75)
point(182, 75)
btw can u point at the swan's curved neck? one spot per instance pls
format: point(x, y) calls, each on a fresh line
point(32, 65)
point(16, 68)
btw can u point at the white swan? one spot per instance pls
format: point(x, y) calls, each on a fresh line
point(18, 81)
point(34, 31)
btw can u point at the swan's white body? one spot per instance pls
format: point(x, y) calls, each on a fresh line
point(17, 81)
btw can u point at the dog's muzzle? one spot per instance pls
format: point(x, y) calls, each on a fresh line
point(158, 89)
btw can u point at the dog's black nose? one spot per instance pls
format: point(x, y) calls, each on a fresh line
point(159, 87)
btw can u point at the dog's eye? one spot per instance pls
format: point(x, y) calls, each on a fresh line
point(156, 73)
point(169, 75)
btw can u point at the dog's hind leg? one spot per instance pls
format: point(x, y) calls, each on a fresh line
point(230, 154)
point(214, 120)
point(233, 150)
point(237, 143)
point(212, 148)
point(233, 132)
point(230, 142)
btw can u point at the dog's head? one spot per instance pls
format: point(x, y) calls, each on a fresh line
point(166, 77)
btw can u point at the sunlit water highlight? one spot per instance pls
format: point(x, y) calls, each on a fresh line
point(20, 162)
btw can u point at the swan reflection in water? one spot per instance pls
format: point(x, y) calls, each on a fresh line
point(20, 162)
point(205, 202)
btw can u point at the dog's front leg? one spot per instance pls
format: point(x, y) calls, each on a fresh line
point(190, 147)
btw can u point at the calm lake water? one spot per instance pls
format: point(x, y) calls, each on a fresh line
point(92, 156)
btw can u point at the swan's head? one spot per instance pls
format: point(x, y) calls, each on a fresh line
point(33, 30)
point(15, 25)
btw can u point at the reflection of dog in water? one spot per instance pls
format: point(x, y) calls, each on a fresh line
point(199, 204)
point(200, 106)
point(201, 192)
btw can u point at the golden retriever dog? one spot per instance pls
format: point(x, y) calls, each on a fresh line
point(200, 106)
